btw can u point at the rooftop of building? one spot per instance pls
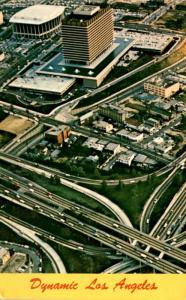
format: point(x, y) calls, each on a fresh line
point(37, 14)
point(93, 143)
point(146, 97)
point(113, 107)
point(58, 66)
point(161, 81)
point(86, 10)
point(112, 146)
point(151, 40)
point(84, 18)
point(126, 156)
point(47, 84)
point(101, 123)
point(132, 121)
point(56, 130)
point(3, 252)
point(128, 133)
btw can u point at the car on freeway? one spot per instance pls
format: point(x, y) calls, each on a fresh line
point(80, 248)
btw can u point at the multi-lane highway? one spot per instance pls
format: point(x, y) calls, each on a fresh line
point(173, 216)
point(157, 194)
point(178, 240)
point(30, 235)
point(116, 210)
point(71, 244)
point(125, 266)
point(102, 236)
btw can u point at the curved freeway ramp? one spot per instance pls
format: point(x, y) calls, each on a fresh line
point(115, 209)
point(30, 235)
point(122, 267)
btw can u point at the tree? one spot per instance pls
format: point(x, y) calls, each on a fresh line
point(120, 185)
point(81, 172)
point(55, 179)
point(103, 185)
point(96, 173)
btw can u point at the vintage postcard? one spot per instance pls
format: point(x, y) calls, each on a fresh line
point(92, 149)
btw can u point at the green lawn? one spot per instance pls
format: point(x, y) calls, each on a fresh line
point(119, 70)
point(61, 190)
point(77, 262)
point(131, 198)
point(5, 137)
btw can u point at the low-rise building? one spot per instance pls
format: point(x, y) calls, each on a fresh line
point(153, 122)
point(158, 140)
point(105, 126)
point(140, 159)
point(126, 158)
point(134, 124)
point(163, 105)
point(148, 41)
point(43, 84)
point(157, 111)
point(113, 148)
point(131, 135)
point(161, 145)
point(149, 128)
point(162, 87)
point(1, 17)
point(2, 56)
point(114, 112)
point(4, 256)
point(55, 153)
point(92, 143)
point(38, 21)
point(85, 117)
point(164, 148)
point(65, 131)
point(58, 134)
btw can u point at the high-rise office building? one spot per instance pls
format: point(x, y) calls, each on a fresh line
point(87, 33)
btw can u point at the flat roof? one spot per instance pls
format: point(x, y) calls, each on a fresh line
point(86, 10)
point(57, 65)
point(37, 14)
point(112, 146)
point(84, 19)
point(147, 41)
point(47, 84)
point(3, 251)
point(161, 81)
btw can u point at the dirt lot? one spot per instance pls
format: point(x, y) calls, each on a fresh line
point(15, 125)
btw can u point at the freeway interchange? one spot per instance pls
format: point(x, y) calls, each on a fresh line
point(160, 248)
point(135, 244)
point(127, 241)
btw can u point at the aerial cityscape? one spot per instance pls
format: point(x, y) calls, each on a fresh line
point(93, 136)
